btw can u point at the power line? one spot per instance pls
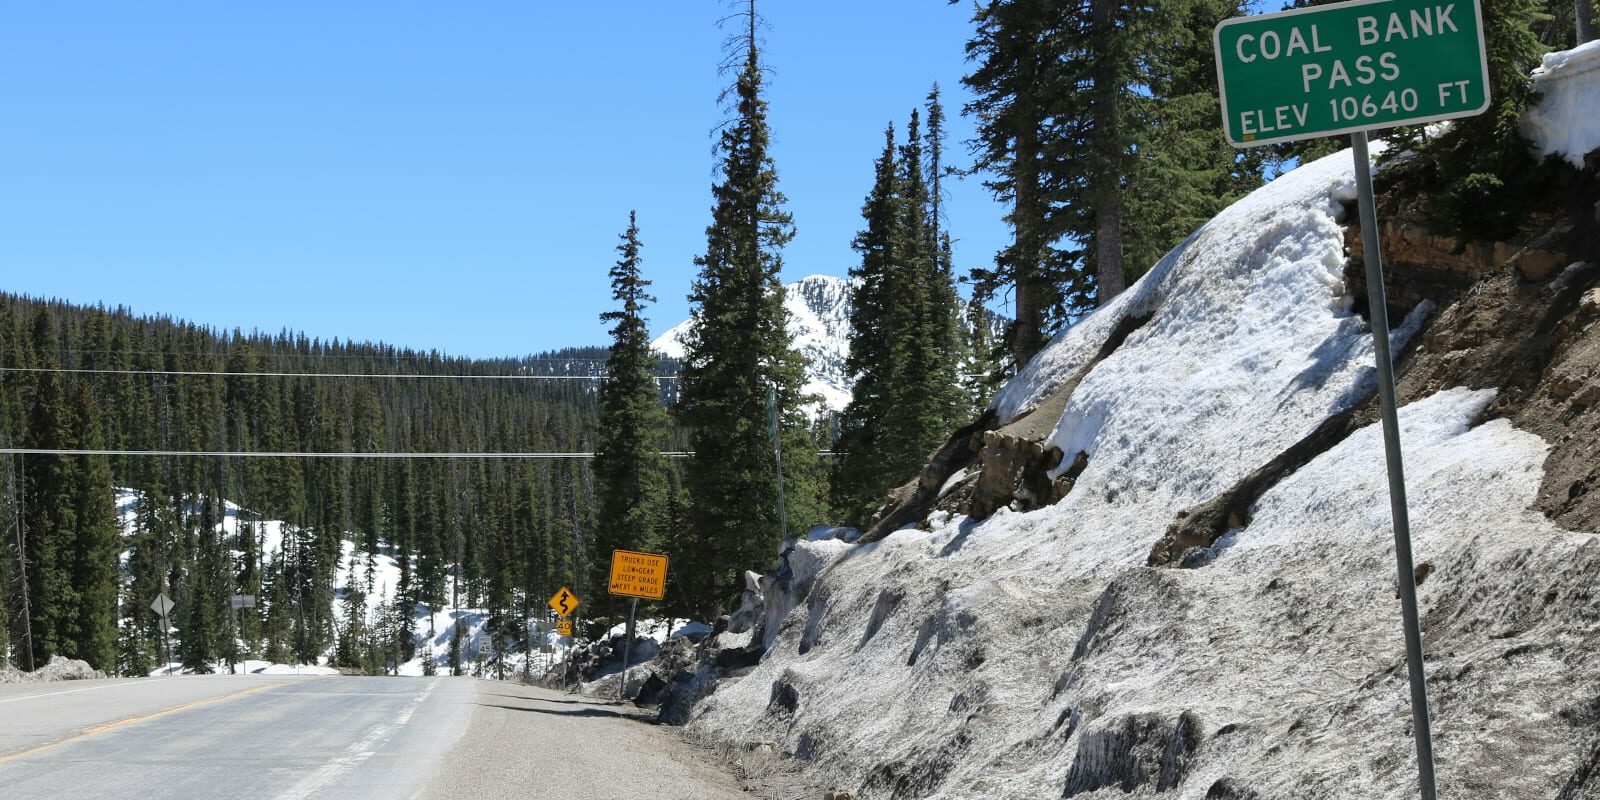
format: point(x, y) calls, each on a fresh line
point(48, 451)
point(414, 356)
point(398, 376)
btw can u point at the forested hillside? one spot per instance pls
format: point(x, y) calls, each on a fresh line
point(95, 379)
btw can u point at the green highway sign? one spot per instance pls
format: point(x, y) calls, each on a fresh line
point(1350, 67)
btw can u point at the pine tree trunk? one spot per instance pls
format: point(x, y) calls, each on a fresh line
point(1583, 13)
point(1028, 271)
point(1109, 275)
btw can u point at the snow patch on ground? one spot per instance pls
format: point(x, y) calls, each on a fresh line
point(377, 575)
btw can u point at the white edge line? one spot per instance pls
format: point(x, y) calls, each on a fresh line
point(75, 691)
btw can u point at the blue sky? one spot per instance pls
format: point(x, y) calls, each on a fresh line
point(449, 176)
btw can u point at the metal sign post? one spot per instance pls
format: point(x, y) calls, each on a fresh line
point(627, 650)
point(1379, 313)
point(237, 602)
point(1350, 68)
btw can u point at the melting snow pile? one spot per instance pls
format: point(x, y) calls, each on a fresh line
point(1566, 122)
point(1034, 655)
point(59, 669)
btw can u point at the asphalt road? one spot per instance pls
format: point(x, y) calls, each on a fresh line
point(284, 737)
point(528, 742)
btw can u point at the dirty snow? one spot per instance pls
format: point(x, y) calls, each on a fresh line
point(1033, 655)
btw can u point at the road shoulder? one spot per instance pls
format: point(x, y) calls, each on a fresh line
point(524, 738)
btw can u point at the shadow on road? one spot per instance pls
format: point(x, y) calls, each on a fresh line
point(578, 712)
point(541, 700)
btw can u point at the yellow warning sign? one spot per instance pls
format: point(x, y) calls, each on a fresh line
point(565, 602)
point(564, 627)
point(642, 575)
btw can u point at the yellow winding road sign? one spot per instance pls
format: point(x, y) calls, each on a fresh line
point(565, 602)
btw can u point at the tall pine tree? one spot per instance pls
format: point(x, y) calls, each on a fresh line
point(904, 343)
point(737, 346)
point(629, 470)
point(94, 543)
point(858, 477)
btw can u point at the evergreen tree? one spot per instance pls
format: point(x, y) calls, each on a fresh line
point(947, 399)
point(247, 580)
point(204, 600)
point(323, 501)
point(10, 416)
point(1184, 172)
point(630, 473)
point(351, 650)
point(1015, 86)
point(1088, 112)
point(857, 478)
point(278, 627)
point(49, 516)
point(140, 648)
point(1480, 171)
point(93, 547)
point(928, 393)
point(904, 342)
point(738, 345)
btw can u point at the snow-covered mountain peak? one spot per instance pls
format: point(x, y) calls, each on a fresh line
point(819, 323)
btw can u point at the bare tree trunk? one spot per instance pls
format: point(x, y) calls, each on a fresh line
point(1110, 277)
point(1585, 21)
point(1027, 253)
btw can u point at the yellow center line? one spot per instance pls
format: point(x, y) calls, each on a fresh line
point(96, 730)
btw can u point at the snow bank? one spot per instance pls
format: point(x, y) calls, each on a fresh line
point(1566, 120)
point(1248, 346)
point(1033, 655)
point(59, 669)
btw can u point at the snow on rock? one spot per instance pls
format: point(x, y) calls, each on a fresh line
point(658, 630)
point(1566, 120)
point(819, 323)
point(59, 669)
point(1034, 655)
